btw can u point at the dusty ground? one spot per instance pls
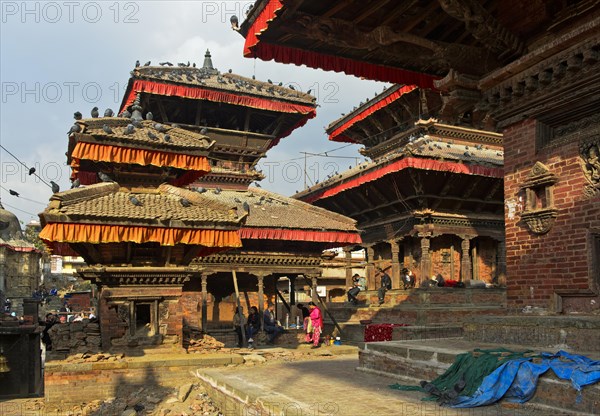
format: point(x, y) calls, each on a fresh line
point(186, 399)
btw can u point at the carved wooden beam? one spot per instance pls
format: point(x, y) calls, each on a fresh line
point(450, 179)
point(467, 193)
point(373, 7)
point(378, 193)
point(484, 27)
point(416, 51)
point(490, 194)
point(393, 114)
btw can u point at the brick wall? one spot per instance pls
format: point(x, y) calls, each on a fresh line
point(540, 265)
point(114, 312)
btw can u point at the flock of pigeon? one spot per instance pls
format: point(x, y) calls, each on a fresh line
point(204, 76)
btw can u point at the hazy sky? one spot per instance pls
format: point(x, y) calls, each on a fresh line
point(60, 57)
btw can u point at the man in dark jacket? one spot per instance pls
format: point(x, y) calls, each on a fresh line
point(386, 284)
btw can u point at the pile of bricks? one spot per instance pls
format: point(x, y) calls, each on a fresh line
point(76, 337)
point(196, 341)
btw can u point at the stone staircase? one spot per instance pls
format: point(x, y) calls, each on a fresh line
point(411, 361)
point(422, 309)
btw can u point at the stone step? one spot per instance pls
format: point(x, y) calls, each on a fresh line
point(577, 332)
point(413, 361)
point(413, 314)
point(355, 333)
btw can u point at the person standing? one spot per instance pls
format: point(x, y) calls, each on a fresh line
point(316, 320)
point(306, 324)
point(386, 284)
point(239, 321)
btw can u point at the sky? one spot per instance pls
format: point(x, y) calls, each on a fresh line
point(60, 57)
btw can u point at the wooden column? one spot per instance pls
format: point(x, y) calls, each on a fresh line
point(425, 256)
point(501, 255)
point(370, 272)
point(260, 277)
point(204, 277)
point(293, 308)
point(314, 282)
point(465, 260)
point(395, 246)
point(348, 253)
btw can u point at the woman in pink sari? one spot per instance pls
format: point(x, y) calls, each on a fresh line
point(317, 323)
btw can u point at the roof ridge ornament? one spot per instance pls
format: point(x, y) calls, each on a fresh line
point(136, 109)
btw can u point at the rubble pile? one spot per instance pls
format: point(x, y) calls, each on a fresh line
point(89, 357)
point(76, 337)
point(196, 341)
point(147, 400)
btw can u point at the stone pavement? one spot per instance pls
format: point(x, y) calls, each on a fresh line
point(328, 386)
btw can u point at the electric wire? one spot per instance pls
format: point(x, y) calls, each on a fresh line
point(26, 167)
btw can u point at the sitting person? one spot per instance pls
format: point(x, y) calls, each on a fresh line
point(253, 325)
point(440, 280)
point(359, 283)
point(270, 324)
point(408, 279)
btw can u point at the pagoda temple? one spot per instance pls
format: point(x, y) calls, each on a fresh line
point(244, 117)
point(137, 231)
point(431, 197)
point(527, 70)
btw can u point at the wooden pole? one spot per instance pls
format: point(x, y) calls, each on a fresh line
point(239, 307)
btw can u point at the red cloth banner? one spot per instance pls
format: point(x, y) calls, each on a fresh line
point(300, 235)
point(337, 135)
point(255, 48)
point(409, 162)
point(172, 90)
point(380, 332)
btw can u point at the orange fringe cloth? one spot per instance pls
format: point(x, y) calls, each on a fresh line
point(96, 234)
point(117, 154)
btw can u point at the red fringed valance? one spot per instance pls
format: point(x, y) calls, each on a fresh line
point(340, 237)
point(161, 88)
point(337, 135)
point(85, 177)
point(20, 249)
point(61, 249)
point(188, 177)
point(64, 249)
point(107, 233)
point(90, 178)
point(255, 48)
point(118, 154)
point(409, 162)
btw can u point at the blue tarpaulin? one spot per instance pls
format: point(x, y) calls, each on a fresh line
point(516, 380)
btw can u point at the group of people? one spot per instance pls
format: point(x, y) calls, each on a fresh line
point(272, 327)
point(42, 294)
point(360, 284)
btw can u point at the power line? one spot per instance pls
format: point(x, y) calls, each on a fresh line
point(26, 167)
point(19, 209)
point(24, 198)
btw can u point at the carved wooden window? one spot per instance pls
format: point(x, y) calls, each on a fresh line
point(544, 135)
point(539, 213)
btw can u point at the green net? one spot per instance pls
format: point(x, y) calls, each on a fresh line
point(471, 368)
